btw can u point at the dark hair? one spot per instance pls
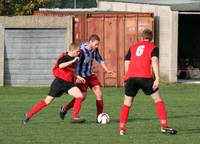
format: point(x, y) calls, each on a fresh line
point(74, 45)
point(147, 34)
point(94, 37)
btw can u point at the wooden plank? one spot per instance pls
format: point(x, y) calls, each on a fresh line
point(110, 50)
point(96, 26)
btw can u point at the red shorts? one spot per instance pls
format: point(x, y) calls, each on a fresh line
point(91, 81)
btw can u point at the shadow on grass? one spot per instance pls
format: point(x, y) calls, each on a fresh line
point(155, 118)
point(191, 131)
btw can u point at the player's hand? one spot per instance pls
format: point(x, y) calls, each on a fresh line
point(80, 79)
point(155, 84)
point(111, 73)
point(76, 59)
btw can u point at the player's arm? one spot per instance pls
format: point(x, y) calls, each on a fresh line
point(155, 66)
point(127, 60)
point(79, 79)
point(65, 62)
point(102, 63)
point(80, 61)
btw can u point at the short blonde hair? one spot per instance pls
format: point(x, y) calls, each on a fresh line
point(74, 46)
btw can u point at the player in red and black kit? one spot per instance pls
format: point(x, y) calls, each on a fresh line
point(140, 59)
point(64, 71)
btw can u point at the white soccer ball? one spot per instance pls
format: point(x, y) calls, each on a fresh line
point(103, 118)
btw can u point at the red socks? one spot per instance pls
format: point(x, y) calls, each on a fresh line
point(99, 105)
point(161, 111)
point(36, 108)
point(77, 107)
point(162, 114)
point(124, 115)
point(70, 104)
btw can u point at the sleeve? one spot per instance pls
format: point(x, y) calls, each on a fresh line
point(81, 57)
point(155, 52)
point(128, 55)
point(98, 57)
point(64, 59)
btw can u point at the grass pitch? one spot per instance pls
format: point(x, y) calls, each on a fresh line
point(182, 102)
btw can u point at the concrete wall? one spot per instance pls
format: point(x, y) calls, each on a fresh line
point(166, 33)
point(31, 22)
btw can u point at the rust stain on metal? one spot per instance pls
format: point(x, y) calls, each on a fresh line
point(117, 30)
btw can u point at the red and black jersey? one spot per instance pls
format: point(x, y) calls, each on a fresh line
point(67, 73)
point(140, 59)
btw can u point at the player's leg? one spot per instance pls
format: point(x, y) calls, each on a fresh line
point(38, 107)
point(95, 85)
point(99, 99)
point(162, 113)
point(76, 93)
point(64, 109)
point(128, 100)
point(56, 90)
point(160, 108)
point(71, 103)
point(159, 104)
point(131, 89)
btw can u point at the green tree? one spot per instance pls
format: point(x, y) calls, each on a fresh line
point(27, 7)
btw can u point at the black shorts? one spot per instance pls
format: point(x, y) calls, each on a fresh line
point(132, 86)
point(59, 86)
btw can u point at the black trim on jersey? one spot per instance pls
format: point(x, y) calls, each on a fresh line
point(87, 64)
point(65, 59)
point(128, 55)
point(96, 54)
point(81, 61)
point(155, 52)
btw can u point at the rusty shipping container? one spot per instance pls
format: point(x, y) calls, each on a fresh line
point(117, 30)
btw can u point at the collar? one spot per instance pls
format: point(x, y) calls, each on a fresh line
point(86, 46)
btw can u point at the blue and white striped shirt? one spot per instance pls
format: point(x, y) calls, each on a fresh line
point(84, 65)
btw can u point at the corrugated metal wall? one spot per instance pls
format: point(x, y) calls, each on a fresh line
point(117, 30)
point(30, 55)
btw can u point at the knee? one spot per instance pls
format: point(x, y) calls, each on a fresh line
point(98, 92)
point(99, 95)
point(128, 101)
point(80, 95)
point(48, 100)
point(157, 99)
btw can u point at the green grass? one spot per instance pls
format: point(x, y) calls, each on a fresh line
point(182, 102)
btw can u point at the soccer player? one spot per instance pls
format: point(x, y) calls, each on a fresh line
point(89, 51)
point(64, 71)
point(140, 59)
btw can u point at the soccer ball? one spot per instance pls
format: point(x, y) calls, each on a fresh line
point(103, 118)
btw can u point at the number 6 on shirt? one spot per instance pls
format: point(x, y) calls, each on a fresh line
point(140, 50)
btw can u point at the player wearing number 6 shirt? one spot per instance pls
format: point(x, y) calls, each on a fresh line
point(140, 59)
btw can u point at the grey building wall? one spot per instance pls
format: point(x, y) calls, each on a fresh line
point(29, 46)
point(29, 55)
point(166, 33)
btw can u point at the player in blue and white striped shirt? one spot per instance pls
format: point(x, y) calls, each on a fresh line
point(84, 67)
point(89, 52)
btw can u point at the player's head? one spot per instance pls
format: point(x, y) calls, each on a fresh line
point(94, 41)
point(74, 49)
point(147, 35)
